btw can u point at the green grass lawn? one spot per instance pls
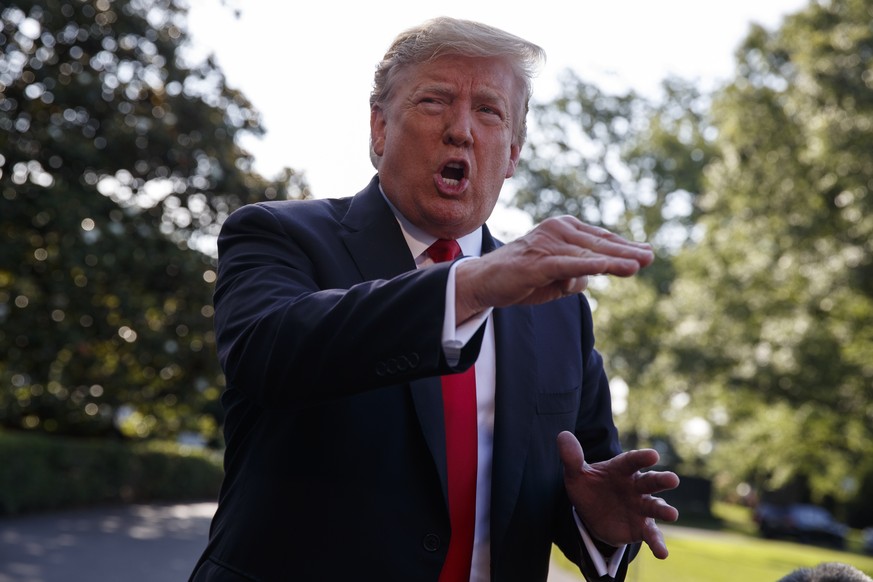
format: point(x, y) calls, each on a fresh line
point(734, 558)
point(733, 554)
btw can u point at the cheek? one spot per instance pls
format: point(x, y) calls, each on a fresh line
point(500, 166)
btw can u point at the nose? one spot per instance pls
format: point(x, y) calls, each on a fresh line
point(459, 127)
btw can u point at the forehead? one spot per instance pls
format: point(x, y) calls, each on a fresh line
point(489, 75)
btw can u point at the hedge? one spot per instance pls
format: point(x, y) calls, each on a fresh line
point(40, 472)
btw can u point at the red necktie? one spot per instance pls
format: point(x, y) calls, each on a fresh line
point(459, 406)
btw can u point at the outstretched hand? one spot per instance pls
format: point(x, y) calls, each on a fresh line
point(614, 499)
point(552, 261)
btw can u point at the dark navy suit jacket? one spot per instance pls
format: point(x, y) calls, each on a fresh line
point(330, 340)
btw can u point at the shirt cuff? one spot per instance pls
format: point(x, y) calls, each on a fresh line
point(455, 337)
point(600, 564)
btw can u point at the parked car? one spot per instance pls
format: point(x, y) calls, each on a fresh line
point(802, 522)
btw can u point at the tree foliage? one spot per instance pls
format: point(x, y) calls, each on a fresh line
point(118, 163)
point(634, 166)
point(620, 161)
point(782, 281)
point(752, 347)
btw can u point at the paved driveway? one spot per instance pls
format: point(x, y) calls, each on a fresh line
point(135, 543)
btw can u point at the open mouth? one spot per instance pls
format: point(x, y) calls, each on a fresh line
point(453, 173)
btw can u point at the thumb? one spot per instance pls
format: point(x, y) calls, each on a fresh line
point(570, 452)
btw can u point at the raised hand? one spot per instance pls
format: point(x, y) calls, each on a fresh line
point(614, 498)
point(553, 260)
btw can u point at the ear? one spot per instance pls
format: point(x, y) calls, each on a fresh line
point(514, 155)
point(377, 130)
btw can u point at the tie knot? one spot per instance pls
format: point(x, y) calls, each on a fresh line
point(443, 250)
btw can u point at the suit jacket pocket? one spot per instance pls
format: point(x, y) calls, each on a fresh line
point(558, 402)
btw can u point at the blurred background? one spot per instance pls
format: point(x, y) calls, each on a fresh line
point(737, 139)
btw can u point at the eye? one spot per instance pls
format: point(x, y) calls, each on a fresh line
point(490, 112)
point(431, 104)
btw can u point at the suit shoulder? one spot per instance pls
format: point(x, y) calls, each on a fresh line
point(291, 214)
point(303, 210)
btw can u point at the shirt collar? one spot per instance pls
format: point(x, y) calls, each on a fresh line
point(418, 240)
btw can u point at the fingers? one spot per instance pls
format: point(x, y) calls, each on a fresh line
point(569, 259)
point(598, 232)
point(575, 285)
point(573, 262)
point(592, 240)
point(612, 245)
point(657, 508)
point(632, 461)
point(655, 481)
point(663, 511)
point(653, 538)
point(570, 452)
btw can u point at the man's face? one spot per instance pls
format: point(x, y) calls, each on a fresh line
point(446, 138)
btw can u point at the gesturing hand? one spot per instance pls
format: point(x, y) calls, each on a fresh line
point(614, 498)
point(552, 261)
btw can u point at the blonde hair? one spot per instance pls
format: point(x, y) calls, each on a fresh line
point(445, 36)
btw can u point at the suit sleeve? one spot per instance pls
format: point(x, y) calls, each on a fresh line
point(287, 337)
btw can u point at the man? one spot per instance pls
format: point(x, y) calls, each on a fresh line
point(391, 418)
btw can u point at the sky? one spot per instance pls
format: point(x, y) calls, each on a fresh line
point(308, 67)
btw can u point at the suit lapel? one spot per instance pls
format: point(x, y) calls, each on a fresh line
point(373, 237)
point(376, 244)
point(515, 403)
point(427, 397)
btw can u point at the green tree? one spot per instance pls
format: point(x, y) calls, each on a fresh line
point(118, 163)
point(772, 313)
point(634, 166)
point(751, 347)
point(619, 161)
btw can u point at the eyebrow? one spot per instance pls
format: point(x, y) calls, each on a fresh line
point(447, 89)
point(434, 87)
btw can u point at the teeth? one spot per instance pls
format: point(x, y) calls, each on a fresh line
point(453, 173)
